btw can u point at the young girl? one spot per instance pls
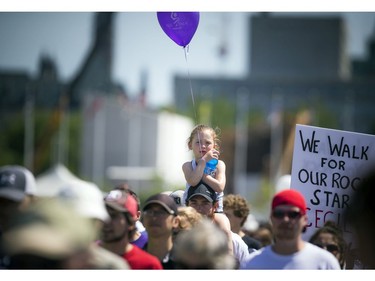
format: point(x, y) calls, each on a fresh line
point(205, 144)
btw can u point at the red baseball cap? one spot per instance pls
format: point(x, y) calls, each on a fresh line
point(289, 197)
point(122, 201)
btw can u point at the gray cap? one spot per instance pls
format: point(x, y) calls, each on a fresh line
point(16, 182)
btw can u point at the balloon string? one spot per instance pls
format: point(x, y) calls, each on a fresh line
point(186, 51)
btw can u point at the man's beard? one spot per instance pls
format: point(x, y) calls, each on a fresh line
point(285, 233)
point(114, 239)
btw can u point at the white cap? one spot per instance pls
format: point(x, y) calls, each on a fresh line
point(283, 183)
point(86, 198)
point(178, 195)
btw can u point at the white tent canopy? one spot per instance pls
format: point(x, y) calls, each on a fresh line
point(85, 196)
point(56, 179)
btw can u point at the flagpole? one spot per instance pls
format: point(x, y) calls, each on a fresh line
point(276, 136)
point(241, 142)
point(29, 129)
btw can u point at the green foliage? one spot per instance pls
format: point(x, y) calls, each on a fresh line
point(46, 124)
point(74, 142)
point(12, 139)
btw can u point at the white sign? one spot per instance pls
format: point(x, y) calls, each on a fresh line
point(327, 168)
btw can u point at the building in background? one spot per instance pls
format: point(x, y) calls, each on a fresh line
point(123, 142)
point(298, 47)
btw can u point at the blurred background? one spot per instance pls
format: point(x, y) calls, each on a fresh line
point(111, 98)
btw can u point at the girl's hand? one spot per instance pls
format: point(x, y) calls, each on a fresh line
point(211, 154)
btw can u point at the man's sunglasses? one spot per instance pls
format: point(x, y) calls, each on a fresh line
point(279, 214)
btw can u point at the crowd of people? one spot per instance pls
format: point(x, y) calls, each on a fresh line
point(200, 227)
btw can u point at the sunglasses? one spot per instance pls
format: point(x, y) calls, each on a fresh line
point(278, 214)
point(329, 247)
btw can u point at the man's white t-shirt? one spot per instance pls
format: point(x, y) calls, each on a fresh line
point(240, 249)
point(310, 257)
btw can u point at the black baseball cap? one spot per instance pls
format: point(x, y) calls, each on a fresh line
point(164, 200)
point(202, 189)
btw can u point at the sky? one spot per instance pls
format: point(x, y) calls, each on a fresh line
point(141, 45)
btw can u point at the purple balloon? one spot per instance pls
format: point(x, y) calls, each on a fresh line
point(179, 26)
